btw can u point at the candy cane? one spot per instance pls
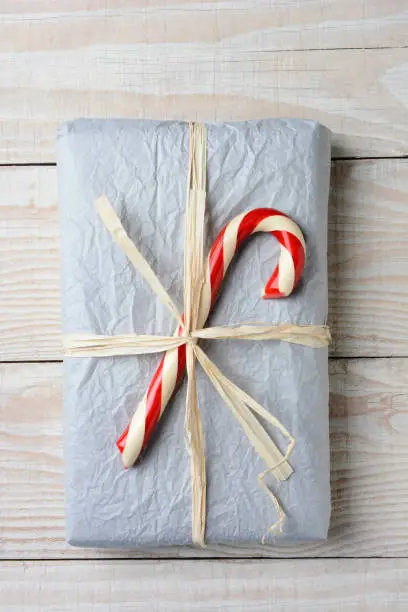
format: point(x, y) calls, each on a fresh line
point(281, 284)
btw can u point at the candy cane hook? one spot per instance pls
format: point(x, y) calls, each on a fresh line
point(281, 284)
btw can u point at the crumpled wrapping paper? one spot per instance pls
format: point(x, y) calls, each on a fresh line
point(142, 168)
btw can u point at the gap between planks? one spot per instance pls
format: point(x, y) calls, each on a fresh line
point(53, 164)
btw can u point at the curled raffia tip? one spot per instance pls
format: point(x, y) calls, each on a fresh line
point(278, 524)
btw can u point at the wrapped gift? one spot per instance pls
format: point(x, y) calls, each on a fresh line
point(141, 168)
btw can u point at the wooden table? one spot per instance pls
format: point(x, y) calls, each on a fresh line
point(343, 62)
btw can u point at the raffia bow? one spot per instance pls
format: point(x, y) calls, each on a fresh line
point(243, 406)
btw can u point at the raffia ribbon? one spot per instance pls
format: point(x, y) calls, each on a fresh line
point(243, 406)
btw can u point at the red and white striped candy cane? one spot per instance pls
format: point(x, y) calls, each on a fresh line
point(282, 282)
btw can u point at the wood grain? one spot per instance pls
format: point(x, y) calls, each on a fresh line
point(29, 264)
point(368, 258)
point(368, 261)
point(369, 454)
point(360, 94)
point(44, 25)
point(359, 585)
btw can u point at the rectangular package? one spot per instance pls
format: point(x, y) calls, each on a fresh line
point(142, 168)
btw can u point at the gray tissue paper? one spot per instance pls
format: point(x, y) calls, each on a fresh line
point(142, 167)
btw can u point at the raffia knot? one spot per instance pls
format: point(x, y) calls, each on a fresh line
point(190, 339)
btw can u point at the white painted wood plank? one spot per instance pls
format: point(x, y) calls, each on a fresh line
point(368, 261)
point(368, 258)
point(359, 585)
point(29, 264)
point(369, 455)
point(359, 94)
point(40, 25)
